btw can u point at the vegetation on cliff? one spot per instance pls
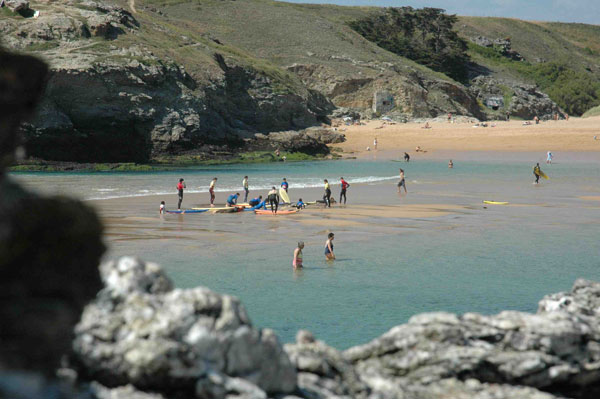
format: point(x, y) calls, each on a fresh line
point(574, 91)
point(426, 36)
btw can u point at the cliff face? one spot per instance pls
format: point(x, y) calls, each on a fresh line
point(110, 98)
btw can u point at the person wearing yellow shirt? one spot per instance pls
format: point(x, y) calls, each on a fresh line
point(327, 196)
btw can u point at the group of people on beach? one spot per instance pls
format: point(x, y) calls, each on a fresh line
point(272, 200)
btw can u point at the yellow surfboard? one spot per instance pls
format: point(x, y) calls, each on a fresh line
point(495, 202)
point(284, 196)
point(544, 175)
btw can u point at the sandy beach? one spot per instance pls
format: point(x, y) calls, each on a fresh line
point(574, 135)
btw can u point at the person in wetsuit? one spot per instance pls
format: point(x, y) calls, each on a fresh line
point(211, 190)
point(232, 199)
point(273, 199)
point(345, 186)
point(327, 196)
point(406, 157)
point(180, 187)
point(537, 172)
point(255, 201)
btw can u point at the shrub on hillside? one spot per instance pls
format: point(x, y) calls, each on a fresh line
point(422, 35)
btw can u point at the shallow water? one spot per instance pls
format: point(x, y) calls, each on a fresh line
point(389, 267)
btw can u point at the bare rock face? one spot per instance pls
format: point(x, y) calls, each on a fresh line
point(17, 5)
point(141, 331)
point(525, 101)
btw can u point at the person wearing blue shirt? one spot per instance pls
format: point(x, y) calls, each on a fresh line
point(255, 201)
point(232, 199)
point(285, 184)
point(300, 204)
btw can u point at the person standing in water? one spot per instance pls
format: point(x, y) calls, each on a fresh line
point(406, 157)
point(402, 182)
point(327, 196)
point(273, 199)
point(161, 210)
point(345, 186)
point(180, 187)
point(329, 247)
point(211, 190)
point(297, 261)
point(537, 172)
point(549, 157)
point(246, 191)
point(450, 164)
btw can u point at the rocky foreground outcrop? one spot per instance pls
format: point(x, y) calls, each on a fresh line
point(141, 334)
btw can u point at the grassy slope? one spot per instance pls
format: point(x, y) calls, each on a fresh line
point(592, 112)
point(577, 44)
point(278, 33)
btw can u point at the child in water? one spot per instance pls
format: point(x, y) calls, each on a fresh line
point(329, 247)
point(297, 261)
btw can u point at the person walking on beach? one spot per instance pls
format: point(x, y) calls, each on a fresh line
point(329, 247)
point(327, 196)
point(180, 187)
point(345, 186)
point(406, 157)
point(297, 261)
point(375, 143)
point(161, 210)
point(211, 190)
point(273, 199)
point(549, 157)
point(246, 191)
point(537, 172)
point(285, 185)
point(402, 182)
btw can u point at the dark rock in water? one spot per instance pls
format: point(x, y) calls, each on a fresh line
point(143, 332)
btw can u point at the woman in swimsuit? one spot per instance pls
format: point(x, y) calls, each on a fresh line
point(297, 262)
point(329, 247)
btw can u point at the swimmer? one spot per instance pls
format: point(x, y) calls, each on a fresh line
point(297, 261)
point(329, 247)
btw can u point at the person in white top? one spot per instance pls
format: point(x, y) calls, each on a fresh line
point(549, 157)
point(375, 143)
point(162, 208)
point(246, 191)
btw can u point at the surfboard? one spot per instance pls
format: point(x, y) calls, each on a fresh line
point(280, 212)
point(495, 202)
point(284, 196)
point(226, 209)
point(181, 212)
point(544, 175)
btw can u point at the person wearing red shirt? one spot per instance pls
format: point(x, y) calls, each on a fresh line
point(345, 185)
point(180, 187)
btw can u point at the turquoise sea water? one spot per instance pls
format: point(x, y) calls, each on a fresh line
point(388, 268)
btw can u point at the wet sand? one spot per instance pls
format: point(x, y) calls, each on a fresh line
point(575, 135)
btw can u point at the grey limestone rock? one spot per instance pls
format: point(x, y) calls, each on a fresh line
point(143, 332)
